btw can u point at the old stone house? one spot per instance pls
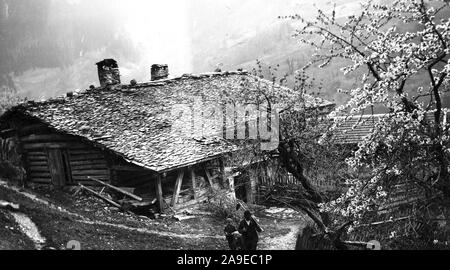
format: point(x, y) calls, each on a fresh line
point(125, 135)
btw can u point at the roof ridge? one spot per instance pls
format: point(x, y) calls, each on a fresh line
point(119, 87)
point(185, 76)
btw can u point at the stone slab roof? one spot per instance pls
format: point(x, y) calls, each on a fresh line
point(136, 121)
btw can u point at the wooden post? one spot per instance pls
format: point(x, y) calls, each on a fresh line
point(178, 184)
point(232, 189)
point(251, 187)
point(194, 184)
point(209, 177)
point(159, 193)
point(222, 176)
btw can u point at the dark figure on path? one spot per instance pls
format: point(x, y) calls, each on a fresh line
point(230, 231)
point(249, 230)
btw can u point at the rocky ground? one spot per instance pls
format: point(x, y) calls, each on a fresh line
point(60, 217)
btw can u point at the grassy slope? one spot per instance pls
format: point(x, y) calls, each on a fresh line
point(198, 233)
point(59, 228)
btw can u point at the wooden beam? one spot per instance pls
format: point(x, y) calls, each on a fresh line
point(194, 183)
point(177, 190)
point(89, 162)
point(126, 168)
point(251, 188)
point(90, 172)
point(209, 177)
point(222, 178)
point(101, 197)
point(159, 193)
point(116, 189)
point(90, 167)
point(38, 163)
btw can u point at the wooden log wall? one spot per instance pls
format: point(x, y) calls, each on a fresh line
point(87, 161)
point(83, 161)
point(80, 159)
point(38, 170)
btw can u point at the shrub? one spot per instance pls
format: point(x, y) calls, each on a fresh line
point(223, 205)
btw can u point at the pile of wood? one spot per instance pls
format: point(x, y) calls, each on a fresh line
point(129, 202)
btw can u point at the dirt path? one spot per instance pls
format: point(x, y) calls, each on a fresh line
point(284, 242)
point(85, 220)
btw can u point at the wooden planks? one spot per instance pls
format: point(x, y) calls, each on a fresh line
point(37, 167)
point(61, 158)
point(89, 172)
point(117, 189)
point(94, 166)
point(90, 157)
point(88, 162)
point(101, 197)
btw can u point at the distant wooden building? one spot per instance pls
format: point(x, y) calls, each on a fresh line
point(353, 130)
point(124, 135)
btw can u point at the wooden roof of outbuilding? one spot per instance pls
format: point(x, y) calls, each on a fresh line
point(352, 129)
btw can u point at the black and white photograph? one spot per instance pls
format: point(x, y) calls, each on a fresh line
point(238, 128)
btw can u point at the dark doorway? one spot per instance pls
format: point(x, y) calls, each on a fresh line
point(240, 187)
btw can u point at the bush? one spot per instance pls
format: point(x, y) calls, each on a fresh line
point(223, 205)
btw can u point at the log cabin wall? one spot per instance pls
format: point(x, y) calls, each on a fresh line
point(50, 157)
point(54, 154)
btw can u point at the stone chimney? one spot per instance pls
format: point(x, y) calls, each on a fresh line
point(108, 72)
point(159, 72)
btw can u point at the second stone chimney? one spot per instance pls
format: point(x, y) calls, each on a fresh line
point(108, 72)
point(159, 72)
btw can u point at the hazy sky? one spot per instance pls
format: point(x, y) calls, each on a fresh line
point(188, 35)
point(160, 28)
